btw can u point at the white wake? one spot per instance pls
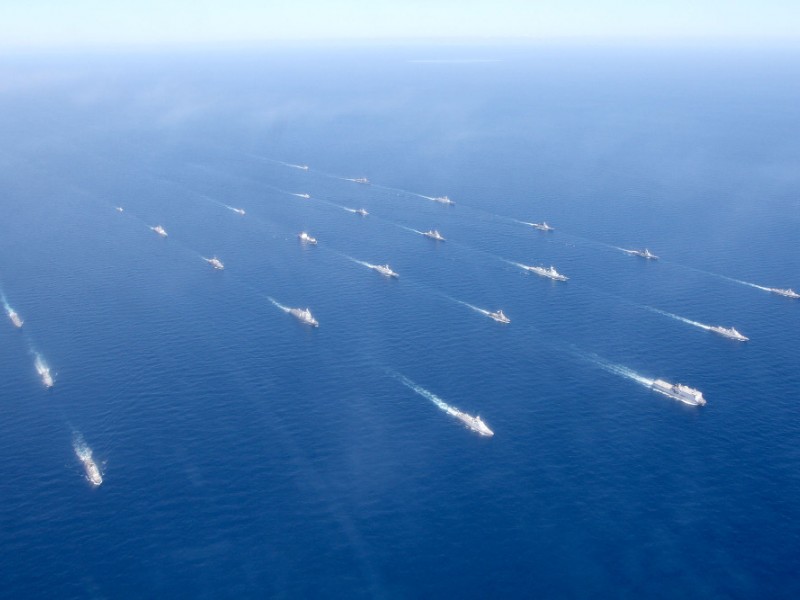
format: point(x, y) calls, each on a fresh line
point(622, 371)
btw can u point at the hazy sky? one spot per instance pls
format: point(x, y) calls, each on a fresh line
point(34, 23)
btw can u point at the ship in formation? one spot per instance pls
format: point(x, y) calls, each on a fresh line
point(643, 253)
point(384, 270)
point(304, 237)
point(160, 230)
point(475, 423)
point(44, 372)
point(443, 200)
point(677, 391)
point(499, 316)
point(434, 235)
point(788, 292)
point(215, 262)
point(543, 226)
point(358, 211)
point(550, 273)
point(304, 316)
point(93, 474)
point(15, 318)
point(238, 211)
point(362, 180)
point(729, 332)
point(120, 209)
point(304, 196)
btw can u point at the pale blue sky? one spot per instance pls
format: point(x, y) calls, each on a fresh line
point(36, 23)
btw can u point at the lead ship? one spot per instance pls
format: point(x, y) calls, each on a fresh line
point(550, 273)
point(788, 292)
point(215, 262)
point(304, 316)
point(643, 253)
point(499, 317)
point(474, 423)
point(238, 211)
point(443, 200)
point(434, 235)
point(358, 211)
point(676, 391)
point(729, 332)
point(384, 270)
point(304, 237)
point(543, 226)
point(160, 230)
point(363, 180)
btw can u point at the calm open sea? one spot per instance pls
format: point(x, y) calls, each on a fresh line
point(245, 454)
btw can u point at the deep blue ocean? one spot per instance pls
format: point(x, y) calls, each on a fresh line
point(245, 454)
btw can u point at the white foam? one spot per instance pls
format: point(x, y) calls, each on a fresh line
point(621, 371)
point(279, 305)
point(679, 318)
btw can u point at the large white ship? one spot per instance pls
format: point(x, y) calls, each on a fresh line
point(304, 237)
point(499, 316)
point(12, 314)
point(474, 423)
point(443, 200)
point(160, 230)
point(238, 211)
point(304, 196)
point(543, 226)
point(729, 332)
point(643, 253)
point(550, 273)
point(680, 392)
point(384, 270)
point(304, 316)
point(788, 292)
point(358, 211)
point(434, 235)
point(215, 262)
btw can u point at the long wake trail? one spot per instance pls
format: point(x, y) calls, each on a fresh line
point(278, 304)
point(678, 318)
point(441, 404)
point(620, 370)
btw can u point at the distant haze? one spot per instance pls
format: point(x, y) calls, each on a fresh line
point(43, 23)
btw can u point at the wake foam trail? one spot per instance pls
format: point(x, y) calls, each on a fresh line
point(678, 318)
point(468, 305)
point(409, 229)
point(278, 304)
point(620, 370)
point(359, 262)
point(80, 447)
point(739, 281)
point(441, 404)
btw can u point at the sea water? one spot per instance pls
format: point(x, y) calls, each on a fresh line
point(247, 455)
